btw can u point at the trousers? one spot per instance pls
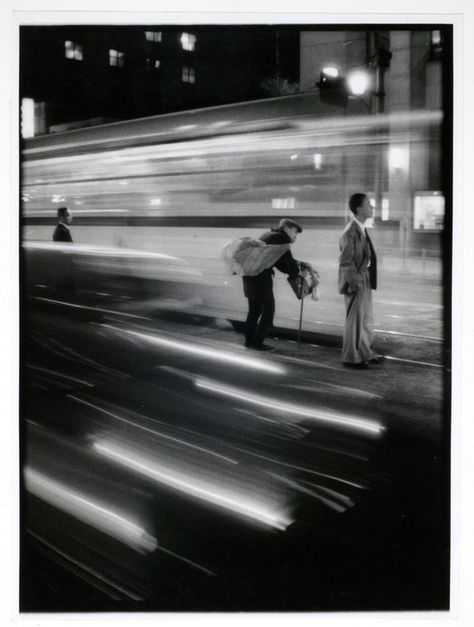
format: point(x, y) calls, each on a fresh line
point(358, 331)
point(259, 321)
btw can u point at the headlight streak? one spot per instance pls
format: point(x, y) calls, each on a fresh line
point(88, 511)
point(201, 351)
point(153, 431)
point(298, 410)
point(192, 486)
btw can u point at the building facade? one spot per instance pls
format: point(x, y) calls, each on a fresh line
point(84, 75)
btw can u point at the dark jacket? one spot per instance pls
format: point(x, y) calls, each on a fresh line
point(61, 233)
point(260, 287)
point(356, 251)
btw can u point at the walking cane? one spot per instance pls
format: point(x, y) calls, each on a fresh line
point(301, 312)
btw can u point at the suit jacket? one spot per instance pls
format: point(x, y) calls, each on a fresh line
point(356, 252)
point(61, 233)
point(260, 287)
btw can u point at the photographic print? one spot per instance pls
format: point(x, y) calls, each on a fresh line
point(235, 296)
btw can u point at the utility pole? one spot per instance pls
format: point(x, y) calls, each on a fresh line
point(379, 60)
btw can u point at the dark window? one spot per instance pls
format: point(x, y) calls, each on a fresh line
point(188, 75)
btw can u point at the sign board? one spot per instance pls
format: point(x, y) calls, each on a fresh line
point(428, 212)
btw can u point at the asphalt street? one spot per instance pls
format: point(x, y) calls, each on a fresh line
point(355, 463)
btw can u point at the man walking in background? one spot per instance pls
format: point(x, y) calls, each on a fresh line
point(62, 232)
point(357, 279)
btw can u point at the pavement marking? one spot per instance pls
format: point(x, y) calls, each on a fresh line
point(390, 357)
point(418, 337)
point(413, 361)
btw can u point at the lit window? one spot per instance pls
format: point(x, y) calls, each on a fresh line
point(283, 203)
point(436, 44)
point(73, 51)
point(318, 161)
point(157, 64)
point(116, 58)
point(188, 75)
point(436, 37)
point(188, 41)
point(27, 117)
point(153, 35)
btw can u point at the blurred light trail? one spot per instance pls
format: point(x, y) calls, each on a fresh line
point(86, 510)
point(153, 431)
point(412, 361)
point(201, 351)
point(299, 488)
point(187, 561)
point(61, 375)
point(290, 408)
point(192, 485)
point(342, 388)
point(90, 571)
point(302, 468)
point(74, 306)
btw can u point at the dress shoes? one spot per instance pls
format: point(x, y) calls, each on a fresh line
point(263, 347)
point(361, 365)
point(377, 359)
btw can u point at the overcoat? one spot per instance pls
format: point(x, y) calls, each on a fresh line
point(61, 233)
point(260, 288)
point(356, 250)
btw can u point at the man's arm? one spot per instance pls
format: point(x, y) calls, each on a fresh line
point(347, 265)
point(288, 265)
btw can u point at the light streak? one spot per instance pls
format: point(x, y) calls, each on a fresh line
point(88, 511)
point(290, 408)
point(207, 353)
point(198, 488)
point(89, 570)
point(153, 431)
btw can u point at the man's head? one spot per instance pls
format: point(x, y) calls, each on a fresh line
point(291, 228)
point(360, 206)
point(64, 215)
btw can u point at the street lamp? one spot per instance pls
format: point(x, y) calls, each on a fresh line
point(358, 83)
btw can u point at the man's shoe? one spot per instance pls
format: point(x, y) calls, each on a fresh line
point(263, 347)
point(377, 359)
point(361, 365)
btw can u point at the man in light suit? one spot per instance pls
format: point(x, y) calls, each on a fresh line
point(357, 279)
